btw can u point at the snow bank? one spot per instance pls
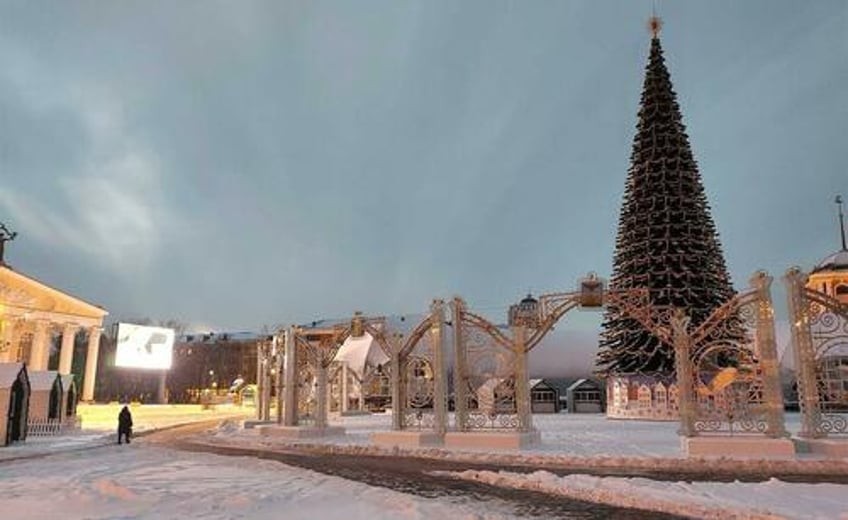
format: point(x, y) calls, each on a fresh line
point(710, 500)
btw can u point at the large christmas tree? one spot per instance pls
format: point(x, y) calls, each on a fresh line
point(667, 241)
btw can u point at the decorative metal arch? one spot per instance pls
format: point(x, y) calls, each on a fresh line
point(418, 373)
point(419, 397)
point(491, 383)
point(307, 364)
point(820, 347)
point(738, 335)
point(485, 373)
point(552, 308)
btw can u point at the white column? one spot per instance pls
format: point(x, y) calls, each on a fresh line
point(290, 379)
point(260, 360)
point(522, 380)
point(321, 412)
point(91, 364)
point(397, 387)
point(769, 362)
point(440, 373)
point(331, 384)
point(66, 355)
point(686, 399)
point(279, 364)
point(804, 356)
point(38, 354)
point(345, 398)
point(9, 347)
point(266, 388)
point(460, 383)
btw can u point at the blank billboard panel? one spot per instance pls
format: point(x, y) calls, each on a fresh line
point(140, 346)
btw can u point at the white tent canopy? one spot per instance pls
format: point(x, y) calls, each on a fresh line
point(360, 353)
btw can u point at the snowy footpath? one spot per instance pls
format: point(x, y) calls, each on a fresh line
point(146, 482)
point(99, 423)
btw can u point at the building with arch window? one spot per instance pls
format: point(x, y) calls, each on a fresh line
point(830, 276)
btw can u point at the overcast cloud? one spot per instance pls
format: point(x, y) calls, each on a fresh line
point(234, 164)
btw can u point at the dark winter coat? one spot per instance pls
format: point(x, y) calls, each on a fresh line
point(125, 420)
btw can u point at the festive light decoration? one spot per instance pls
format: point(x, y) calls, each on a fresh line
point(667, 242)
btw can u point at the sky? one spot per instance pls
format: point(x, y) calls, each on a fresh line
point(239, 164)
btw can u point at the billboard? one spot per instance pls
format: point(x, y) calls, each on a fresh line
point(140, 346)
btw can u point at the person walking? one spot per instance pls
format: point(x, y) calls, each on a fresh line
point(124, 425)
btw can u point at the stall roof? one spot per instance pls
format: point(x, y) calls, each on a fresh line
point(42, 379)
point(9, 373)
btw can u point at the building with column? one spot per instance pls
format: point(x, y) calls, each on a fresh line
point(830, 276)
point(33, 313)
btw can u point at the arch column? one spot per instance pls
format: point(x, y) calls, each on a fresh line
point(91, 363)
point(66, 354)
point(440, 373)
point(38, 354)
point(321, 405)
point(769, 363)
point(290, 379)
point(522, 380)
point(344, 400)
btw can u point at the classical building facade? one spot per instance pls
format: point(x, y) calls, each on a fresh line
point(32, 313)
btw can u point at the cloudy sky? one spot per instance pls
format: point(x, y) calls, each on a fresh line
point(235, 164)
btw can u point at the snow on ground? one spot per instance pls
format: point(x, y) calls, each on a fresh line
point(35, 446)
point(100, 421)
point(771, 499)
point(140, 482)
point(104, 417)
point(575, 435)
point(152, 482)
point(566, 434)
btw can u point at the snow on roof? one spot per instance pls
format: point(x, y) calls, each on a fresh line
point(837, 261)
point(360, 353)
point(67, 381)
point(402, 323)
point(61, 302)
point(575, 385)
point(217, 337)
point(325, 323)
point(8, 373)
point(42, 379)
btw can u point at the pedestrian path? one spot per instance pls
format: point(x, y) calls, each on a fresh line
point(99, 427)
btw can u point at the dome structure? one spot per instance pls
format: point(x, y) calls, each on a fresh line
point(830, 276)
point(526, 312)
point(528, 303)
point(837, 261)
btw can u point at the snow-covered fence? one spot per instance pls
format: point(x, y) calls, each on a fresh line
point(48, 427)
